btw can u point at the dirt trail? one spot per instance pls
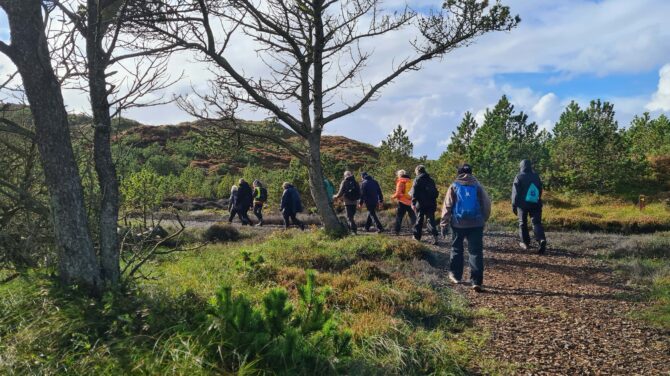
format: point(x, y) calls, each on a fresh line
point(563, 313)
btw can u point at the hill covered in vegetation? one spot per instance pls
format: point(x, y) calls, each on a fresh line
point(201, 145)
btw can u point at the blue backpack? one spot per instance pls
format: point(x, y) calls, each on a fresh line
point(533, 194)
point(467, 204)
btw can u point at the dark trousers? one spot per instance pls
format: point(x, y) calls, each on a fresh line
point(258, 211)
point(536, 220)
point(351, 220)
point(400, 215)
point(372, 217)
point(242, 213)
point(292, 218)
point(475, 237)
point(422, 215)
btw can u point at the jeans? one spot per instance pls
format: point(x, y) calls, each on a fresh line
point(422, 216)
point(475, 237)
point(400, 215)
point(258, 211)
point(292, 218)
point(351, 213)
point(536, 220)
point(372, 217)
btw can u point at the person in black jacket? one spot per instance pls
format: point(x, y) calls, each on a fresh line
point(245, 199)
point(424, 200)
point(290, 206)
point(371, 197)
point(527, 200)
point(350, 193)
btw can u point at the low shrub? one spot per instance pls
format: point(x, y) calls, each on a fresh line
point(656, 246)
point(278, 336)
point(221, 232)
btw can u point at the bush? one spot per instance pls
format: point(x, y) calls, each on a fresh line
point(221, 232)
point(277, 336)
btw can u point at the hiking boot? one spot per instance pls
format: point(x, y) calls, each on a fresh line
point(381, 230)
point(302, 227)
point(436, 240)
point(417, 238)
point(259, 224)
point(523, 246)
point(543, 247)
point(453, 278)
point(477, 288)
point(367, 229)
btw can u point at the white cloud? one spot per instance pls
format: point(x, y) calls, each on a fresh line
point(661, 99)
point(546, 105)
point(566, 39)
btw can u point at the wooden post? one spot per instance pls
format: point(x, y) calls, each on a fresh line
point(642, 202)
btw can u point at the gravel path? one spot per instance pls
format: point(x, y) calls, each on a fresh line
point(564, 313)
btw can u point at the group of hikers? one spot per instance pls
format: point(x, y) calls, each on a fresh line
point(466, 209)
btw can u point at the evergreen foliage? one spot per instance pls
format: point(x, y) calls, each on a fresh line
point(289, 341)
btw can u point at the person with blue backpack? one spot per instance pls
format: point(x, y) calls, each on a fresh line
point(424, 201)
point(466, 209)
point(527, 201)
point(290, 206)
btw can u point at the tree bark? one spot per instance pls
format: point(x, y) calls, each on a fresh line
point(102, 152)
point(331, 223)
point(77, 261)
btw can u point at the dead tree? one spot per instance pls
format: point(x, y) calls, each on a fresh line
point(99, 26)
point(314, 51)
point(29, 52)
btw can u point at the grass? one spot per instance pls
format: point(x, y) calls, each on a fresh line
point(402, 320)
point(563, 211)
point(645, 260)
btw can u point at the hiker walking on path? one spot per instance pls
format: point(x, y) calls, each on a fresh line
point(260, 198)
point(403, 186)
point(351, 193)
point(245, 199)
point(232, 202)
point(527, 201)
point(424, 201)
point(466, 208)
point(371, 197)
point(290, 206)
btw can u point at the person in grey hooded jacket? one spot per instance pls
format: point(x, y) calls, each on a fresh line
point(527, 201)
point(466, 190)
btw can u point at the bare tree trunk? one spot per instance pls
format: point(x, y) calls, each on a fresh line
point(29, 51)
point(102, 152)
point(331, 223)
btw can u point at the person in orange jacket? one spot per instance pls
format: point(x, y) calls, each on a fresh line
point(403, 185)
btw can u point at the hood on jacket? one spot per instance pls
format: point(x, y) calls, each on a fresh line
point(466, 179)
point(526, 166)
point(367, 177)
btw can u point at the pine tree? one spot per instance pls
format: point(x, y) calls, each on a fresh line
point(503, 140)
point(588, 152)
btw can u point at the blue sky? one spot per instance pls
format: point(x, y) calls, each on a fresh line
point(615, 50)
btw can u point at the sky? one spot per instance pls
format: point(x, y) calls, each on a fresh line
point(614, 50)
